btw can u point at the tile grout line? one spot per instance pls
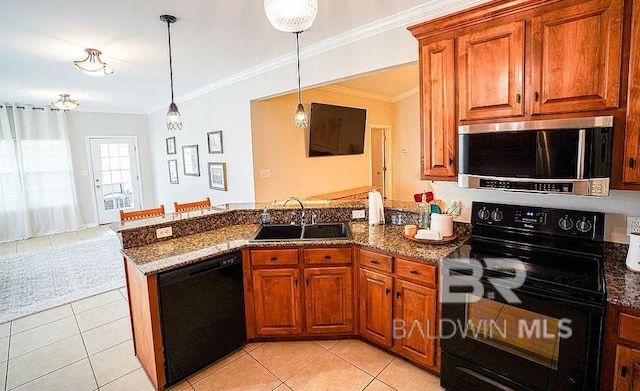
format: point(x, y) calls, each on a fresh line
point(85, 348)
point(245, 352)
point(44, 324)
point(385, 367)
point(43, 346)
point(6, 372)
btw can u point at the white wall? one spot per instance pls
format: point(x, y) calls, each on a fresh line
point(228, 109)
point(84, 124)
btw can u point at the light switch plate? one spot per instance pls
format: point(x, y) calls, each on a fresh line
point(164, 232)
point(357, 214)
point(633, 225)
point(266, 173)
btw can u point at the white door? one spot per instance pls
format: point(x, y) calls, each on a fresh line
point(116, 182)
point(379, 159)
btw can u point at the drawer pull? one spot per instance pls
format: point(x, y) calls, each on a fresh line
point(632, 162)
point(517, 98)
point(387, 291)
point(397, 294)
point(327, 257)
point(273, 259)
point(414, 272)
point(623, 371)
point(374, 261)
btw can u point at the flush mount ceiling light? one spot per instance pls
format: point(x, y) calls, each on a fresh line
point(174, 122)
point(65, 103)
point(291, 16)
point(93, 65)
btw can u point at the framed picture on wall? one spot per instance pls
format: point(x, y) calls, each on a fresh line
point(214, 139)
point(218, 176)
point(171, 146)
point(191, 160)
point(173, 171)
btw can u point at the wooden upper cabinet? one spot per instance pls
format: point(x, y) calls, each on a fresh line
point(491, 72)
point(277, 301)
point(631, 171)
point(576, 58)
point(329, 300)
point(438, 136)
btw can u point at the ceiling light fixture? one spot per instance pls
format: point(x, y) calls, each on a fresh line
point(174, 122)
point(65, 103)
point(93, 65)
point(293, 16)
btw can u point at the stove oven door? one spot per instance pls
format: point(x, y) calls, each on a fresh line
point(545, 342)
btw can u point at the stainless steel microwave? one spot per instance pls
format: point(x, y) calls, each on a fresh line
point(562, 156)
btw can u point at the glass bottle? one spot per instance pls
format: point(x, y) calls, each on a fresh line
point(424, 214)
point(265, 217)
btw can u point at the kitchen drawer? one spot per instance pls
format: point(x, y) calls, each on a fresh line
point(329, 255)
point(274, 257)
point(418, 272)
point(629, 328)
point(376, 261)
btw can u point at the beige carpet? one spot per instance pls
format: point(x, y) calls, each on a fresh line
point(32, 282)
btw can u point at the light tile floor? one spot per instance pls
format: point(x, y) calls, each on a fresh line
point(87, 346)
point(44, 242)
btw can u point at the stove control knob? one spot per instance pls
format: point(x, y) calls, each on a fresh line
point(565, 223)
point(583, 226)
point(483, 214)
point(496, 215)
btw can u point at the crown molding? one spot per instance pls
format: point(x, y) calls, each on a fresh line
point(355, 92)
point(431, 9)
point(405, 94)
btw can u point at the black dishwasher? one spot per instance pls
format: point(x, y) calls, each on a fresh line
point(202, 313)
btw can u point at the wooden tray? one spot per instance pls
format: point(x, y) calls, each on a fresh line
point(446, 239)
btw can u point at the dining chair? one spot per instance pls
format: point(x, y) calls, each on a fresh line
point(141, 214)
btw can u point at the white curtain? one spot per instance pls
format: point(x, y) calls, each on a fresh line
point(37, 190)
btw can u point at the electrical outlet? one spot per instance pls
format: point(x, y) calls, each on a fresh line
point(264, 174)
point(633, 225)
point(404, 150)
point(357, 214)
point(164, 232)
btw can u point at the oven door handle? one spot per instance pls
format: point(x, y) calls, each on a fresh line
point(485, 379)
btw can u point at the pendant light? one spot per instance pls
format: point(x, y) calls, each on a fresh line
point(300, 117)
point(93, 65)
point(293, 16)
point(65, 103)
point(174, 122)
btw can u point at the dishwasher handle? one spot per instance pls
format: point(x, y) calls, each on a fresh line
point(200, 268)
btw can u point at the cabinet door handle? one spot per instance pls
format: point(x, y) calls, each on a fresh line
point(387, 291)
point(273, 259)
point(327, 257)
point(623, 371)
point(517, 98)
point(450, 161)
point(632, 162)
point(397, 294)
point(307, 282)
point(414, 272)
point(536, 96)
point(373, 261)
point(295, 282)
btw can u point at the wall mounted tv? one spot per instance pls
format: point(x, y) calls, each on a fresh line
point(336, 130)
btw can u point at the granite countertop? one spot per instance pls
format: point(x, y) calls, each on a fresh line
point(623, 285)
point(174, 253)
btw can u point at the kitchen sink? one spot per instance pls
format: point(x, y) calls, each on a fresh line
point(326, 231)
point(283, 232)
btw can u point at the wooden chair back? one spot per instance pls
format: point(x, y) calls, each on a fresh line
point(141, 214)
point(191, 206)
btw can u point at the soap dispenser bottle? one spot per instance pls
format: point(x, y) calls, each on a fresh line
point(265, 217)
point(423, 212)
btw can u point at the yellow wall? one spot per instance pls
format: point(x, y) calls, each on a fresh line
point(280, 147)
point(406, 165)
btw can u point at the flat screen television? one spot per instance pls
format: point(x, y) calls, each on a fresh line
point(336, 130)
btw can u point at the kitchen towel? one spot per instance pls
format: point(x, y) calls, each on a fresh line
point(376, 208)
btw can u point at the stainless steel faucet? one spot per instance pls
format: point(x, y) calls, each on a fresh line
point(301, 209)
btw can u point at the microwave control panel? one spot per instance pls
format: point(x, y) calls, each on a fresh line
point(554, 187)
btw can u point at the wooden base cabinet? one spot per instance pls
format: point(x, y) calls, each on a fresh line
point(329, 300)
point(277, 306)
point(376, 301)
point(414, 322)
point(627, 369)
point(397, 306)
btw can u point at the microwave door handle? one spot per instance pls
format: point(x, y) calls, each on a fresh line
point(581, 153)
